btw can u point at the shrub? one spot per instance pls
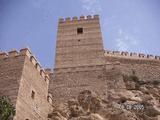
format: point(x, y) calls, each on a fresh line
point(7, 110)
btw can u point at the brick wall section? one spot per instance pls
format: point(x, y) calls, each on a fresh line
point(145, 69)
point(67, 83)
point(99, 78)
point(10, 74)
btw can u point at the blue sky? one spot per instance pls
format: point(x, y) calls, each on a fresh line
point(127, 25)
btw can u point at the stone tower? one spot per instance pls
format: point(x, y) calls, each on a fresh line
point(79, 62)
point(79, 42)
point(22, 79)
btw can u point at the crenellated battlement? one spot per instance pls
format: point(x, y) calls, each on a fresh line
point(81, 18)
point(26, 52)
point(131, 55)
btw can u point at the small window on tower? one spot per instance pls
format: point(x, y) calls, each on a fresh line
point(79, 30)
point(33, 94)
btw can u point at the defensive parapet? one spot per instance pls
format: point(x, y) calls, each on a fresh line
point(131, 55)
point(68, 19)
point(26, 52)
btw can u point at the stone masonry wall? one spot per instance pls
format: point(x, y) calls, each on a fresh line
point(146, 68)
point(67, 83)
point(11, 66)
point(70, 81)
point(34, 79)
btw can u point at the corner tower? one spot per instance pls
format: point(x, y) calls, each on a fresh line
point(79, 42)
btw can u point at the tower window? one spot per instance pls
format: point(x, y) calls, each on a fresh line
point(33, 94)
point(79, 30)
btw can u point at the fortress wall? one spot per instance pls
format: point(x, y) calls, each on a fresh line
point(67, 83)
point(11, 67)
point(34, 79)
point(146, 68)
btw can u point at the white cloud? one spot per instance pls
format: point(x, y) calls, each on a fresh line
point(124, 41)
point(92, 6)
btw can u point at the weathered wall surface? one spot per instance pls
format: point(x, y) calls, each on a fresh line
point(147, 69)
point(67, 83)
point(11, 66)
point(70, 81)
point(33, 80)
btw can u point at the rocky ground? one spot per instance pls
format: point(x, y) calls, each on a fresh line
point(140, 100)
